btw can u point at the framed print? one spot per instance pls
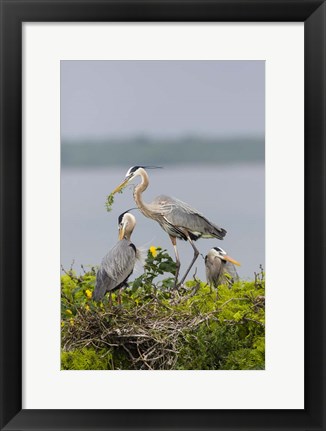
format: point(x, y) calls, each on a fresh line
point(230, 100)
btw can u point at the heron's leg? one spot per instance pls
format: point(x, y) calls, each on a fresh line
point(119, 297)
point(177, 260)
point(196, 254)
point(110, 299)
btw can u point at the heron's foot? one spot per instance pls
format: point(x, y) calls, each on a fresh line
point(175, 296)
point(176, 284)
point(180, 285)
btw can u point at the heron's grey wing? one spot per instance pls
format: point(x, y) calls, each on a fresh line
point(120, 261)
point(115, 268)
point(230, 274)
point(180, 214)
point(102, 285)
point(213, 269)
point(166, 204)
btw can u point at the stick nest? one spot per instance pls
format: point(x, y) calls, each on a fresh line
point(152, 334)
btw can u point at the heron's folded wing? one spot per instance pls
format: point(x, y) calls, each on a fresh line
point(167, 204)
point(120, 261)
point(230, 273)
point(103, 284)
point(180, 214)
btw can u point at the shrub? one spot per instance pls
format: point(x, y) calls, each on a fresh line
point(158, 327)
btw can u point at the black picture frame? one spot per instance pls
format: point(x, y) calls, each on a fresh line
point(13, 14)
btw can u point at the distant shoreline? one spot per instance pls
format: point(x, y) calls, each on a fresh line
point(186, 150)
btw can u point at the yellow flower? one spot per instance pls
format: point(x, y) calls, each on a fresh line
point(62, 324)
point(88, 293)
point(71, 322)
point(68, 311)
point(152, 249)
point(87, 307)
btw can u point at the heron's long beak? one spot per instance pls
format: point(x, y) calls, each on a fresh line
point(122, 232)
point(120, 186)
point(229, 259)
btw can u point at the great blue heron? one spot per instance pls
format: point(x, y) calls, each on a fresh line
point(220, 267)
point(118, 264)
point(177, 218)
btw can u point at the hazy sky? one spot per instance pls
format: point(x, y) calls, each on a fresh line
point(162, 98)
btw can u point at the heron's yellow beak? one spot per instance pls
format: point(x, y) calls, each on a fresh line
point(229, 259)
point(120, 186)
point(122, 232)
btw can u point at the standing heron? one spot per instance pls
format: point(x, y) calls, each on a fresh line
point(118, 264)
point(220, 267)
point(177, 218)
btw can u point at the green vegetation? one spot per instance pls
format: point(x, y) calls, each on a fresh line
point(110, 200)
point(158, 327)
point(148, 150)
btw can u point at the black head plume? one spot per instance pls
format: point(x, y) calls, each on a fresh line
point(134, 168)
point(121, 215)
point(152, 167)
point(220, 250)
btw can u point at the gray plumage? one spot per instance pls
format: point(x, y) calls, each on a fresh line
point(177, 218)
point(118, 264)
point(115, 269)
point(219, 269)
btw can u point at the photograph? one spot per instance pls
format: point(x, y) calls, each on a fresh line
point(163, 164)
point(162, 215)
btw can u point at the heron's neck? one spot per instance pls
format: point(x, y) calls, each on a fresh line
point(139, 189)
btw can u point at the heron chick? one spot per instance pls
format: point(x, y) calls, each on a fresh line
point(220, 268)
point(118, 264)
point(176, 218)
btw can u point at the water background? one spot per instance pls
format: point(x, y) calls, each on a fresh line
point(232, 196)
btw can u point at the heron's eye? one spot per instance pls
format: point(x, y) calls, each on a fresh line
point(132, 170)
point(130, 176)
